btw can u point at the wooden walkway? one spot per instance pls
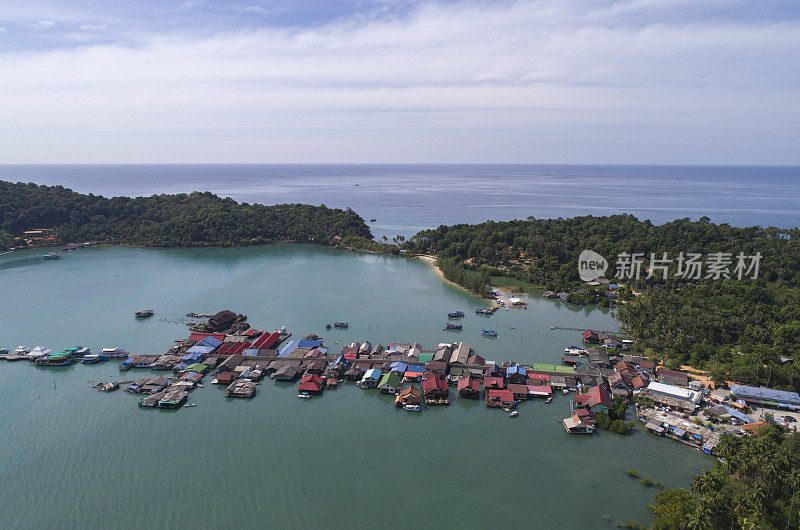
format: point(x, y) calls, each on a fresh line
point(562, 328)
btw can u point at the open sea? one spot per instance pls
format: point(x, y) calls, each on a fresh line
point(75, 457)
point(404, 199)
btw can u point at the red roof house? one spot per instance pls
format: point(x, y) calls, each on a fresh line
point(598, 399)
point(434, 386)
point(469, 387)
point(313, 384)
point(591, 336)
point(496, 383)
point(499, 398)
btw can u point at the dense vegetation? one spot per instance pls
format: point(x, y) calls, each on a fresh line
point(736, 328)
point(755, 485)
point(475, 281)
point(186, 220)
point(614, 421)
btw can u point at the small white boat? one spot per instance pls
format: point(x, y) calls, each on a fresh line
point(513, 414)
point(192, 405)
point(93, 358)
point(548, 400)
point(114, 353)
point(22, 350)
point(304, 396)
point(565, 391)
point(412, 407)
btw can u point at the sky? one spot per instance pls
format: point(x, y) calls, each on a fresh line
point(394, 81)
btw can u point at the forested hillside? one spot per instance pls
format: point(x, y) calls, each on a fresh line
point(186, 220)
point(736, 327)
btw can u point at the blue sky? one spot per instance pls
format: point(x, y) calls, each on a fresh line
point(535, 81)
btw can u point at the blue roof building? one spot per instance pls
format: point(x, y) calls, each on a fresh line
point(767, 396)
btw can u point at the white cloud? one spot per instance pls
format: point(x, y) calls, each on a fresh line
point(46, 23)
point(191, 4)
point(573, 81)
point(94, 27)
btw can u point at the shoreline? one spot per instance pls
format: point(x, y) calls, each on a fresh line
point(431, 260)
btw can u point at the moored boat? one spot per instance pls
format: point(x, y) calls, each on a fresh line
point(413, 407)
point(304, 395)
point(455, 314)
point(144, 313)
point(52, 255)
point(513, 414)
point(452, 326)
point(549, 399)
point(93, 358)
point(483, 311)
point(341, 325)
point(489, 332)
point(78, 351)
point(114, 353)
point(55, 359)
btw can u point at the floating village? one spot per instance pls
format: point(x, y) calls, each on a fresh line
point(226, 350)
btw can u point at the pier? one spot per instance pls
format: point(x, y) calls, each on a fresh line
point(563, 328)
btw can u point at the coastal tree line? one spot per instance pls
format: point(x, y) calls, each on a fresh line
point(737, 329)
point(754, 484)
point(182, 220)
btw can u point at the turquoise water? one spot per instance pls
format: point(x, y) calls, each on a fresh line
point(73, 456)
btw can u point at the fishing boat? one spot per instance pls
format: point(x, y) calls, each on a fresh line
point(513, 414)
point(489, 332)
point(55, 359)
point(453, 326)
point(413, 407)
point(455, 314)
point(78, 351)
point(114, 353)
point(108, 387)
point(144, 313)
point(372, 220)
point(93, 358)
point(304, 395)
point(341, 325)
point(483, 311)
point(549, 399)
point(327, 326)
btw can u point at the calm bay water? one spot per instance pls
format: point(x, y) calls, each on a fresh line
point(407, 198)
point(73, 456)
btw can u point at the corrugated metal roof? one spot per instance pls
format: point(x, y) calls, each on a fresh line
point(744, 418)
point(540, 367)
point(288, 348)
point(763, 393)
point(675, 391)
